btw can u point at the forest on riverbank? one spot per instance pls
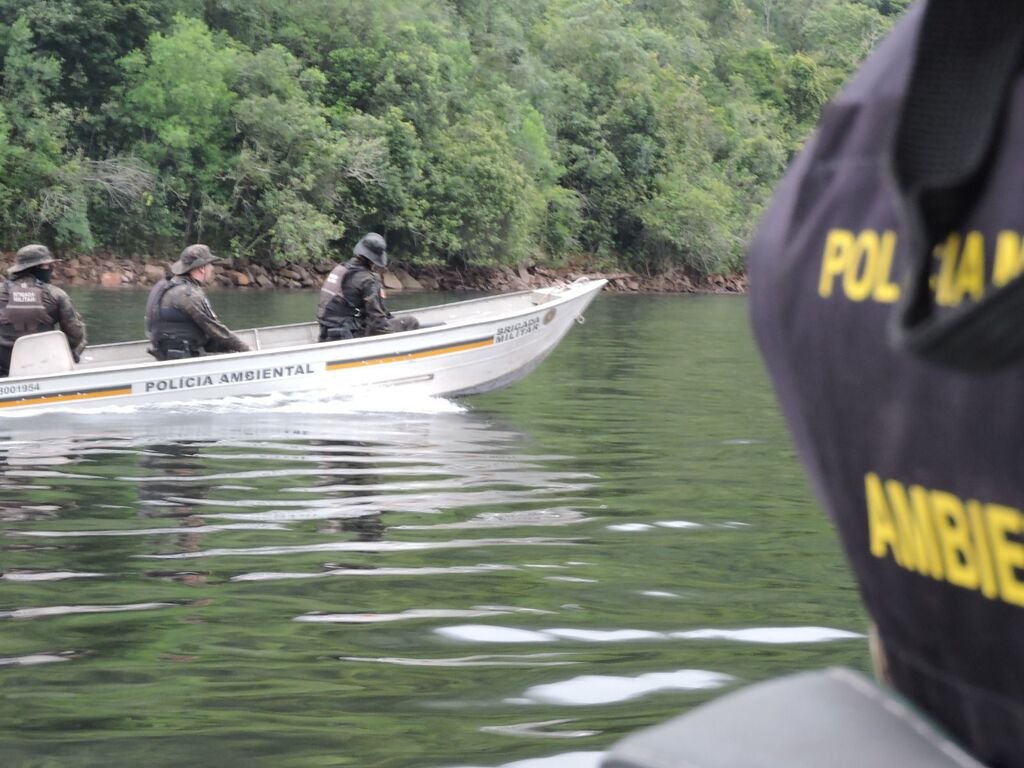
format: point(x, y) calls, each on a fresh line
point(633, 135)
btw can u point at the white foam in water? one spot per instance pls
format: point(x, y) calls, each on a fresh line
point(482, 633)
point(32, 660)
point(314, 402)
point(67, 610)
point(48, 575)
point(770, 635)
point(193, 529)
point(322, 403)
point(486, 633)
point(376, 618)
point(605, 636)
point(567, 760)
point(588, 690)
point(479, 633)
point(637, 527)
point(362, 572)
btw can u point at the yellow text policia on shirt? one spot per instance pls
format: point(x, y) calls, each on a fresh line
point(858, 265)
point(969, 544)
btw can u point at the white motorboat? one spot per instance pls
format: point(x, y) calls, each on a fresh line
point(463, 348)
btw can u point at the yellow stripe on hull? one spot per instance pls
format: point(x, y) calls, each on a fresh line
point(411, 355)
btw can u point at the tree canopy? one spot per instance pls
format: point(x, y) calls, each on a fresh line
point(641, 134)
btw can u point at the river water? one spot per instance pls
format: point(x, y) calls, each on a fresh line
point(517, 579)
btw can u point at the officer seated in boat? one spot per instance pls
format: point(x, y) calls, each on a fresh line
point(180, 322)
point(352, 297)
point(29, 304)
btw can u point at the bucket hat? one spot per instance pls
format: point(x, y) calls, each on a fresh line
point(372, 247)
point(29, 256)
point(197, 255)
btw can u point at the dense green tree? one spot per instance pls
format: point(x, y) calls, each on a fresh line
point(637, 133)
point(87, 38)
point(843, 34)
point(178, 97)
point(474, 187)
point(286, 175)
point(43, 189)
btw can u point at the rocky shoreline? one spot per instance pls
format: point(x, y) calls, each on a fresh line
point(120, 272)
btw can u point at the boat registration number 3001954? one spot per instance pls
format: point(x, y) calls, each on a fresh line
point(515, 330)
point(19, 389)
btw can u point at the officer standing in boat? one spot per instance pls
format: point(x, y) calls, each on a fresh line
point(352, 298)
point(29, 304)
point(180, 322)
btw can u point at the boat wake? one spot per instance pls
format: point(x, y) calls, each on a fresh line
point(311, 403)
point(318, 403)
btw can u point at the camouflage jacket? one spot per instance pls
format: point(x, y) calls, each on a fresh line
point(187, 296)
point(57, 306)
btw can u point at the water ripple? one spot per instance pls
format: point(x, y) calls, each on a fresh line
point(637, 527)
point(531, 517)
point(495, 660)
point(328, 512)
point(771, 635)
point(588, 690)
point(539, 730)
point(411, 614)
point(483, 633)
point(48, 575)
point(567, 760)
point(334, 506)
point(336, 572)
point(68, 610)
point(478, 611)
point(362, 546)
point(35, 659)
point(153, 531)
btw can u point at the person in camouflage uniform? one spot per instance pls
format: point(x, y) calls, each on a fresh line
point(29, 304)
point(180, 322)
point(352, 298)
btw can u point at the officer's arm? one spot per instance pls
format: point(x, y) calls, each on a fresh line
point(373, 308)
point(71, 323)
point(220, 338)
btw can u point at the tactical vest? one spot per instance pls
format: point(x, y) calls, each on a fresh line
point(918, 462)
point(334, 308)
point(168, 322)
point(22, 310)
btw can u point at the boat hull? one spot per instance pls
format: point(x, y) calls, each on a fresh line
point(478, 346)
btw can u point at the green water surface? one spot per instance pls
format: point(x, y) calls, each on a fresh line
point(518, 578)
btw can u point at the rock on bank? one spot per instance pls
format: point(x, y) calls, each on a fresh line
point(121, 272)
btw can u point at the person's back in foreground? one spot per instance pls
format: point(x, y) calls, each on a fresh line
point(884, 296)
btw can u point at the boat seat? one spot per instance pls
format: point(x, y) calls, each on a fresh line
point(833, 718)
point(39, 354)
